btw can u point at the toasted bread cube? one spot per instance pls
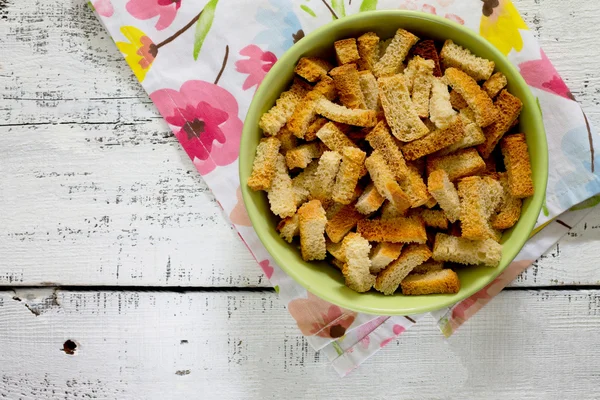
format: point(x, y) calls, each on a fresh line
point(434, 141)
point(313, 128)
point(356, 271)
point(342, 221)
point(478, 202)
point(476, 98)
point(368, 50)
point(457, 56)
point(399, 111)
point(518, 167)
point(304, 114)
point(338, 113)
point(412, 255)
point(312, 68)
point(346, 51)
point(263, 166)
point(287, 138)
point(303, 183)
point(473, 134)
point(421, 88)
point(281, 194)
point(289, 228)
point(495, 84)
point(388, 211)
point(327, 170)
point(441, 112)
point(415, 187)
point(383, 254)
point(428, 266)
point(347, 84)
point(510, 108)
point(384, 181)
point(274, 119)
point(410, 72)
point(510, 210)
point(457, 101)
point(457, 165)
point(334, 138)
point(433, 218)
point(445, 194)
point(433, 282)
point(312, 220)
point(348, 174)
point(464, 251)
point(426, 49)
point(336, 250)
point(369, 201)
point(326, 86)
point(396, 230)
point(370, 90)
point(395, 53)
point(380, 139)
point(302, 155)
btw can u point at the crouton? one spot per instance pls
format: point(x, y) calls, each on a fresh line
point(312, 220)
point(302, 155)
point(473, 135)
point(395, 230)
point(415, 188)
point(370, 90)
point(388, 211)
point(456, 56)
point(510, 108)
point(287, 138)
point(495, 84)
point(326, 86)
point(457, 101)
point(433, 218)
point(409, 73)
point(462, 163)
point(368, 50)
point(428, 266)
point(399, 111)
point(426, 49)
point(441, 112)
point(380, 139)
point(464, 251)
point(336, 250)
point(356, 271)
point(312, 68)
point(383, 254)
point(304, 114)
point(325, 175)
point(346, 51)
point(342, 221)
point(334, 138)
point(281, 194)
point(433, 282)
point(518, 167)
point(395, 53)
point(445, 194)
point(311, 132)
point(347, 83)
point(289, 228)
point(384, 181)
point(303, 183)
point(421, 88)
point(274, 119)
point(412, 255)
point(476, 98)
point(369, 201)
point(263, 166)
point(510, 209)
point(338, 113)
point(477, 203)
point(434, 141)
point(348, 174)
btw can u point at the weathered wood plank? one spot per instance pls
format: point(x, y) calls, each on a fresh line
point(159, 345)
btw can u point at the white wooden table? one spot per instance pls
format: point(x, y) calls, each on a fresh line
point(111, 243)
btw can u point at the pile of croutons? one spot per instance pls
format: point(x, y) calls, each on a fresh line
point(390, 162)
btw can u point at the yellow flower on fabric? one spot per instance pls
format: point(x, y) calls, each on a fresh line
point(500, 25)
point(139, 52)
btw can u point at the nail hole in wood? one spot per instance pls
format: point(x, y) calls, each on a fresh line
point(69, 347)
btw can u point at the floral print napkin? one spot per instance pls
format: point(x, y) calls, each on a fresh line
point(201, 62)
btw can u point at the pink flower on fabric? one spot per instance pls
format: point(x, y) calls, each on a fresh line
point(366, 329)
point(103, 7)
point(428, 8)
point(267, 269)
point(166, 10)
point(397, 329)
point(256, 66)
point(318, 317)
point(204, 118)
point(541, 74)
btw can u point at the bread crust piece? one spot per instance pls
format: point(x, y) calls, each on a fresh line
point(381, 139)
point(495, 84)
point(473, 134)
point(457, 165)
point(274, 119)
point(347, 83)
point(434, 141)
point(312, 220)
point(445, 193)
point(476, 98)
point(369, 201)
point(368, 50)
point(346, 51)
point(263, 166)
point(477, 203)
point(337, 113)
point(426, 49)
point(478, 68)
point(281, 194)
point(433, 218)
point(509, 108)
point(312, 68)
point(464, 251)
point(348, 174)
point(289, 228)
point(457, 101)
point(302, 155)
point(433, 282)
point(510, 209)
point(383, 254)
point(428, 266)
point(384, 181)
point(342, 221)
point(441, 112)
point(356, 271)
point(395, 230)
point(370, 90)
point(311, 132)
point(518, 166)
point(421, 89)
point(288, 140)
point(401, 116)
point(395, 53)
point(412, 255)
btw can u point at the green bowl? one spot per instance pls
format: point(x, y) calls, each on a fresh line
point(325, 280)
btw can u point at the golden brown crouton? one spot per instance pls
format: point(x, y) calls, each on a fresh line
point(356, 271)
point(412, 255)
point(346, 51)
point(464, 251)
point(380, 139)
point(336, 250)
point(304, 114)
point(510, 209)
point(510, 108)
point(457, 101)
point(289, 228)
point(342, 221)
point(338, 113)
point(456, 56)
point(441, 112)
point(368, 50)
point(287, 138)
point(395, 53)
point(384, 181)
point(263, 167)
point(383, 254)
point(426, 49)
point(326, 86)
point(388, 211)
point(476, 98)
point(302, 155)
point(274, 119)
point(312, 68)
point(473, 134)
point(399, 111)
point(415, 187)
point(421, 88)
point(462, 163)
point(312, 220)
point(334, 138)
point(313, 128)
point(477, 203)
point(396, 230)
point(518, 166)
point(281, 194)
point(434, 141)
point(329, 165)
point(428, 266)
point(369, 201)
point(495, 84)
point(445, 193)
point(433, 282)
point(348, 174)
point(433, 218)
point(370, 90)
point(347, 83)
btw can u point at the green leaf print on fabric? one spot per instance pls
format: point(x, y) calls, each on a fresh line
point(203, 26)
point(589, 203)
point(308, 10)
point(338, 6)
point(368, 5)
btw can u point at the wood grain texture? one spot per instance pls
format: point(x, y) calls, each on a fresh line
point(100, 193)
point(161, 345)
